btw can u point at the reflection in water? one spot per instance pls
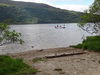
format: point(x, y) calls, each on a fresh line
point(44, 36)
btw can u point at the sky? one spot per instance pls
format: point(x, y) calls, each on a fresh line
point(75, 5)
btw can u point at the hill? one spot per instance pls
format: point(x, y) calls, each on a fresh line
point(26, 12)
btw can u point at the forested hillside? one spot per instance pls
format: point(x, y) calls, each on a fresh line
point(26, 12)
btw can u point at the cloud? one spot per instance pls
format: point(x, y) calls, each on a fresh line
point(44, 1)
point(65, 0)
point(68, 7)
point(80, 8)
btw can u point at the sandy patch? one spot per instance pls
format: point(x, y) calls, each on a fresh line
point(84, 64)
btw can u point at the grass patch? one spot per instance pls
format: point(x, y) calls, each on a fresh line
point(37, 59)
point(92, 43)
point(10, 66)
point(58, 69)
point(99, 61)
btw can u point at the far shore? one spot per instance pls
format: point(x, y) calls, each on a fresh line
point(84, 64)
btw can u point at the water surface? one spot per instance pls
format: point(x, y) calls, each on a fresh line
point(44, 36)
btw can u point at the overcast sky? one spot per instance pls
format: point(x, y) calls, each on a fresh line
point(76, 5)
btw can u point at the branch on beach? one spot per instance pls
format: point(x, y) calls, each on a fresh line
point(62, 55)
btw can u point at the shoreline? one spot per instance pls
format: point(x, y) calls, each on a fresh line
point(47, 51)
point(85, 64)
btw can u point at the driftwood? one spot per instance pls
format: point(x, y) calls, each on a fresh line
point(62, 55)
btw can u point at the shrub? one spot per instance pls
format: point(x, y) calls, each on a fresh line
point(92, 43)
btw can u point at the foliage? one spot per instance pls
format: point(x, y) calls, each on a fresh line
point(10, 66)
point(92, 43)
point(7, 36)
point(91, 16)
point(24, 12)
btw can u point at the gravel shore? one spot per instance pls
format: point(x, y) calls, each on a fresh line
point(84, 64)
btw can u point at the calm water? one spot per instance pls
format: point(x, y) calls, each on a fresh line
point(44, 36)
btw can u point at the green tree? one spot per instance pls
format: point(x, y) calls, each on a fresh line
point(7, 36)
point(92, 15)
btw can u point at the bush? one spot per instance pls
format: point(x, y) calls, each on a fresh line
point(92, 43)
